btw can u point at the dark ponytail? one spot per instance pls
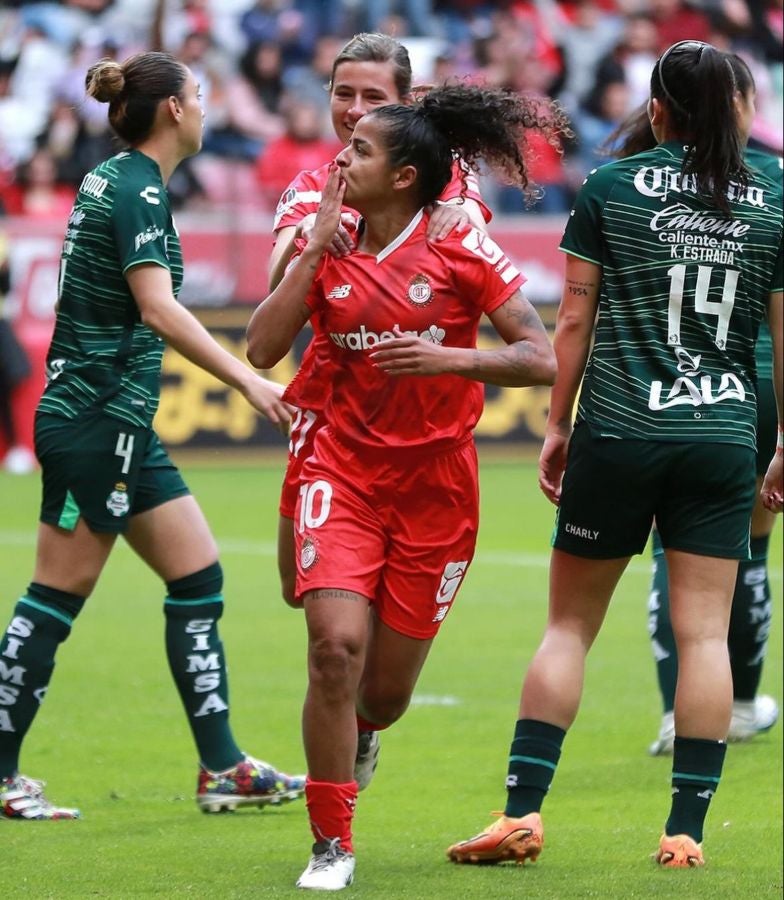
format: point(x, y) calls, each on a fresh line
point(471, 123)
point(133, 89)
point(697, 84)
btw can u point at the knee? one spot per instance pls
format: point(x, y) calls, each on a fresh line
point(333, 662)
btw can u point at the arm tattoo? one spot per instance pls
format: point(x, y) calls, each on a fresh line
point(579, 288)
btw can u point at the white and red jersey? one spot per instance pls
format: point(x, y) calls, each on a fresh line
point(438, 291)
point(310, 386)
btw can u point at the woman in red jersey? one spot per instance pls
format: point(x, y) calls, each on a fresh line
point(388, 504)
point(371, 71)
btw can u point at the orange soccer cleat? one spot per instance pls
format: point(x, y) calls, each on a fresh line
point(506, 839)
point(679, 852)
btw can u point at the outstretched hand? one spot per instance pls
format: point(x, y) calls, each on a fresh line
point(265, 397)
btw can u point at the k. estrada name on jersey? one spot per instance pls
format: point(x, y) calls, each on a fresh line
point(364, 339)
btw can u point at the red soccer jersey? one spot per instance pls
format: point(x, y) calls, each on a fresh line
point(436, 290)
point(311, 385)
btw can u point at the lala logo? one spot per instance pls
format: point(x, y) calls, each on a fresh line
point(419, 291)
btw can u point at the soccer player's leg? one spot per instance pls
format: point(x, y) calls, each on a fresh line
point(340, 555)
point(663, 646)
point(79, 523)
point(704, 527)
point(604, 517)
point(168, 530)
point(752, 602)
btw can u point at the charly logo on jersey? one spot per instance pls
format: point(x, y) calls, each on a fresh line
point(308, 555)
point(661, 181)
point(144, 237)
point(117, 502)
point(364, 339)
point(451, 578)
point(420, 293)
point(151, 195)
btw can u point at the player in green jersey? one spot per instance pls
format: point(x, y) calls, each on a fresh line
point(104, 470)
point(752, 713)
point(673, 258)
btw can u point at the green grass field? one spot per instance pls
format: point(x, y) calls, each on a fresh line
point(112, 740)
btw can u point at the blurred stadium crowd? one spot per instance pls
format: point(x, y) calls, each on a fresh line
point(264, 66)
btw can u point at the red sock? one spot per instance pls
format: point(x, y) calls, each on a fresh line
point(331, 810)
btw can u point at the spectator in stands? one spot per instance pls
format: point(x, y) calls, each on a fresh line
point(302, 147)
point(632, 58)
point(278, 23)
point(603, 111)
point(38, 191)
point(252, 98)
point(14, 368)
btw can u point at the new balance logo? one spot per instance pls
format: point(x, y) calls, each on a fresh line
point(340, 292)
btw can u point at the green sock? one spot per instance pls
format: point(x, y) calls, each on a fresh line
point(750, 621)
point(660, 628)
point(195, 652)
point(534, 755)
point(41, 621)
point(696, 771)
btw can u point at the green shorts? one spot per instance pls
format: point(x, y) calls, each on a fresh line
point(701, 496)
point(101, 469)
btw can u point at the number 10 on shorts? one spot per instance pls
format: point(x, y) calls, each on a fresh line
point(315, 503)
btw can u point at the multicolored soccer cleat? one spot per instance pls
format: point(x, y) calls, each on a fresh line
point(23, 798)
point(679, 851)
point(506, 839)
point(250, 783)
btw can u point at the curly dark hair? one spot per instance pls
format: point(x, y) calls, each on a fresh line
point(470, 123)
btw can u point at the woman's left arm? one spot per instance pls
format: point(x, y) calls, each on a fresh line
point(527, 359)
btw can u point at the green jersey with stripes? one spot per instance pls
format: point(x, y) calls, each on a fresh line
point(773, 166)
point(101, 353)
point(683, 290)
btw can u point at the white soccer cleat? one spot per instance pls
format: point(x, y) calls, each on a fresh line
point(331, 868)
point(663, 744)
point(751, 717)
point(368, 747)
point(23, 798)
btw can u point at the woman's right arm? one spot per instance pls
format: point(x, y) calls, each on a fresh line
point(572, 344)
point(151, 287)
point(279, 319)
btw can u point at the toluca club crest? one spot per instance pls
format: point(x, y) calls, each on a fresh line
point(419, 291)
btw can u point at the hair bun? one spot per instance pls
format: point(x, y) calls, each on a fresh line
point(105, 80)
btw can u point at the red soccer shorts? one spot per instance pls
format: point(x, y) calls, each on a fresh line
point(304, 428)
point(398, 527)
